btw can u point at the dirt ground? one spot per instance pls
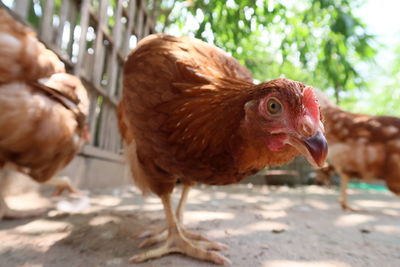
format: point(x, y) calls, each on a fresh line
point(263, 227)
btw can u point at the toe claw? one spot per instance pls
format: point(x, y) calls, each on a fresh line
point(144, 234)
point(181, 241)
point(143, 244)
point(147, 243)
point(222, 246)
point(134, 259)
point(210, 245)
point(153, 239)
point(219, 259)
point(151, 233)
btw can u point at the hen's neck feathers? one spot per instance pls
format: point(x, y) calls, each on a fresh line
point(209, 122)
point(207, 117)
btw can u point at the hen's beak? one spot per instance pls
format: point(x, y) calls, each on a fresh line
point(314, 148)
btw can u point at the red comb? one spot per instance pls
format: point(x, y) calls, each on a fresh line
point(310, 102)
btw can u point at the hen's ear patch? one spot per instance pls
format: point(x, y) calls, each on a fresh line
point(311, 104)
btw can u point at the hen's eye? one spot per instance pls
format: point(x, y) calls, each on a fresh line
point(274, 107)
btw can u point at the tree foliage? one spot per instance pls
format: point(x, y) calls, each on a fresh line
point(382, 96)
point(316, 41)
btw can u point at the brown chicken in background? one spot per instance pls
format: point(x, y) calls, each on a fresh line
point(324, 175)
point(42, 110)
point(361, 146)
point(190, 112)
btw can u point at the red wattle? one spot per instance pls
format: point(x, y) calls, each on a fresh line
point(276, 142)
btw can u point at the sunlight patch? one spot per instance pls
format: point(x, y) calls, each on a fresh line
point(372, 203)
point(100, 220)
point(43, 226)
point(353, 220)
point(107, 201)
point(279, 263)
point(209, 215)
point(317, 204)
point(388, 229)
point(266, 226)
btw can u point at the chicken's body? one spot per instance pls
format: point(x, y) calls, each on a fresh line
point(42, 109)
point(190, 112)
point(362, 146)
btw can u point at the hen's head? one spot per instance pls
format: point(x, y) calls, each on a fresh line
point(286, 113)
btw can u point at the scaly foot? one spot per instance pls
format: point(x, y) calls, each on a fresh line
point(346, 207)
point(161, 234)
point(182, 241)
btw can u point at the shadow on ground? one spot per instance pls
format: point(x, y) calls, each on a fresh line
point(263, 227)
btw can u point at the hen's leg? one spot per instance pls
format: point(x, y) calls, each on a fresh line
point(62, 184)
point(182, 203)
point(161, 234)
point(179, 215)
point(177, 243)
point(344, 182)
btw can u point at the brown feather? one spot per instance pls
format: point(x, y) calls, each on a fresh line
point(183, 106)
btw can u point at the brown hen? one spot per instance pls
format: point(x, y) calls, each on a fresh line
point(362, 146)
point(190, 112)
point(42, 110)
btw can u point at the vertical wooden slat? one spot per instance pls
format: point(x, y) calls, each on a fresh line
point(46, 26)
point(119, 80)
point(112, 68)
point(93, 115)
point(73, 16)
point(146, 27)
point(131, 22)
point(103, 125)
point(106, 127)
point(85, 7)
point(63, 18)
point(99, 46)
point(139, 24)
point(22, 7)
point(109, 125)
point(114, 133)
point(99, 52)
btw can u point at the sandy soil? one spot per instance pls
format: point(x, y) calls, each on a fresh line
point(262, 226)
